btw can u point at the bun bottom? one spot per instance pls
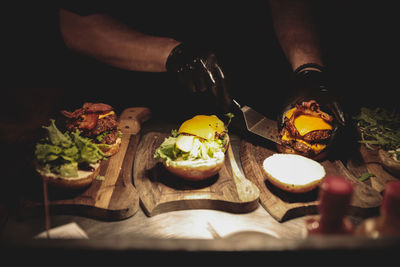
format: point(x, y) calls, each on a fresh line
point(84, 179)
point(288, 150)
point(113, 149)
point(196, 170)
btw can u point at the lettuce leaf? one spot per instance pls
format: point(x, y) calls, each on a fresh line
point(201, 149)
point(167, 151)
point(56, 137)
point(62, 153)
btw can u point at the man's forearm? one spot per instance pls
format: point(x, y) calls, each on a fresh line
point(295, 30)
point(114, 43)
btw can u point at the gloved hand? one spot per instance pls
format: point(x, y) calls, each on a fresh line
point(313, 85)
point(200, 72)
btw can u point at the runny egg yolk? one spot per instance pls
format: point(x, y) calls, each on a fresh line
point(203, 126)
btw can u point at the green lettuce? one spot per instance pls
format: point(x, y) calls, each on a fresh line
point(201, 149)
point(62, 153)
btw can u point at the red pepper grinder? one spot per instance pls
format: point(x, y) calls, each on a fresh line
point(334, 198)
point(388, 221)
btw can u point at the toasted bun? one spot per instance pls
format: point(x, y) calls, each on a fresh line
point(84, 178)
point(293, 173)
point(113, 149)
point(196, 170)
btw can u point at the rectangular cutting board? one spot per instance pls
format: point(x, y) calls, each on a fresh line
point(112, 198)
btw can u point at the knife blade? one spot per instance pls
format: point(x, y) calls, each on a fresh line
point(259, 124)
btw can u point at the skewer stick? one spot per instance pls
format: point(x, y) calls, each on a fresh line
point(46, 208)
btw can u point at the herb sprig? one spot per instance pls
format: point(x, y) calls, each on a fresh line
point(379, 127)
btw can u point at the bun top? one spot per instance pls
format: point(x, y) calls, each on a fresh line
point(308, 123)
point(204, 126)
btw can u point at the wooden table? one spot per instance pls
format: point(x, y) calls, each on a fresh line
point(186, 232)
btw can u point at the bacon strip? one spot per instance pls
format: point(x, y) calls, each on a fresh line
point(73, 115)
point(96, 107)
point(89, 121)
point(87, 108)
point(311, 108)
point(86, 117)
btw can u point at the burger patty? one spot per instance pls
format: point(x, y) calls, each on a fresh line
point(303, 148)
point(317, 136)
point(107, 123)
point(314, 137)
point(110, 138)
point(299, 147)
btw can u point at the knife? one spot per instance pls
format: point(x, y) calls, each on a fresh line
point(259, 124)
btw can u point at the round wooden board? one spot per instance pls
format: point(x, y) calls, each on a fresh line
point(111, 198)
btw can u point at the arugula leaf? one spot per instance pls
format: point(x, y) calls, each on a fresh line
point(379, 127)
point(230, 117)
point(366, 176)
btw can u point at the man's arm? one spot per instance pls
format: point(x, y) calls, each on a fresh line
point(295, 30)
point(114, 43)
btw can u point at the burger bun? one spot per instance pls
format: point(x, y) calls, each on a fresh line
point(112, 149)
point(293, 173)
point(84, 178)
point(196, 170)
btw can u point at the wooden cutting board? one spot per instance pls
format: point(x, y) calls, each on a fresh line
point(114, 197)
point(368, 161)
point(283, 205)
point(162, 192)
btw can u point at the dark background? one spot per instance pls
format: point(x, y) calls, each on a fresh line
point(357, 39)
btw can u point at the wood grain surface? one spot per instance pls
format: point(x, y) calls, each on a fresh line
point(111, 198)
point(368, 161)
point(283, 205)
point(160, 191)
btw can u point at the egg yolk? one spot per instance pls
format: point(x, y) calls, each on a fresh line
point(203, 126)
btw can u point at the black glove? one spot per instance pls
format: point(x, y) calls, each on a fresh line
point(313, 85)
point(200, 72)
